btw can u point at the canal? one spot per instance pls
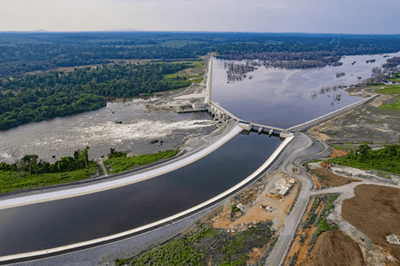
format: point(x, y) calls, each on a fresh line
point(67, 221)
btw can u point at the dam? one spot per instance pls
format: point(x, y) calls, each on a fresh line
point(58, 225)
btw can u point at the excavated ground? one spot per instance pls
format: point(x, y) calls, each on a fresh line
point(333, 180)
point(335, 248)
point(368, 122)
point(375, 211)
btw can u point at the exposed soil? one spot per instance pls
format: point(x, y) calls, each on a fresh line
point(338, 153)
point(301, 243)
point(280, 209)
point(332, 179)
point(335, 248)
point(325, 164)
point(255, 255)
point(316, 182)
point(375, 211)
point(368, 122)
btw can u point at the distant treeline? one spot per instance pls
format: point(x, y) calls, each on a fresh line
point(34, 98)
point(26, 52)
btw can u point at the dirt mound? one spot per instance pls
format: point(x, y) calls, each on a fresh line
point(375, 211)
point(325, 165)
point(338, 153)
point(332, 179)
point(335, 248)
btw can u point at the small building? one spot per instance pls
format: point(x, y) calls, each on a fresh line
point(282, 186)
point(199, 106)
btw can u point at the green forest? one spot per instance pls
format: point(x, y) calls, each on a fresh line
point(33, 98)
point(31, 172)
point(27, 52)
point(387, 159)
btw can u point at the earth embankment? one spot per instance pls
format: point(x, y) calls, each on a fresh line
point(375, 211)
point(333, 248)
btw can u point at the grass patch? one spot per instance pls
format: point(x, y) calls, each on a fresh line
point(197, 80)
point(235, 209)
point(124, 163)
point(390, 89)
point(198, 246)
point(342, 147)
point(13, 181)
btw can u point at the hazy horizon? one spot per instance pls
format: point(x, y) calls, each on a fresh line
point(274, 16)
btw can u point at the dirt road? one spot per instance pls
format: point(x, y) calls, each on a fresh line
point(303, 148)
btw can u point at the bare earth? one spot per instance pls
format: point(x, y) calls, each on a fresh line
point(332, 179)
point(335, 248)
point(375, 211)
point(368, 122)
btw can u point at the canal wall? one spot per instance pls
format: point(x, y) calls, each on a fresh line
point(123, 181)
point(316, 121)
point(149, 227)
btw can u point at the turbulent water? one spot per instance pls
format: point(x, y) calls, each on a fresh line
point(97, 129)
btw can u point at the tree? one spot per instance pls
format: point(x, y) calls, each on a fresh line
point(364, 149)
point(30, 161)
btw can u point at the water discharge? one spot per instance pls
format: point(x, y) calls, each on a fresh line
point(98, 130)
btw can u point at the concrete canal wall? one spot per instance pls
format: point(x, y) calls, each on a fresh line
point(316, 121)
point(164, 222)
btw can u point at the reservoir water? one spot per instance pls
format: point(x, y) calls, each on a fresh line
point(283, 97)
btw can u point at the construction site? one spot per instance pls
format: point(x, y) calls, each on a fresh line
point(269, 199)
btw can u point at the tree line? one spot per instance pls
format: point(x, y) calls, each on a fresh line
point(33, 165)
point(34, 98)
point(21, 53)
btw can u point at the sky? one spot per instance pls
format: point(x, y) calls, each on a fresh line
point(312, 16)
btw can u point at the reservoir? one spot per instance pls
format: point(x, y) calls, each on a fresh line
point(286, 97)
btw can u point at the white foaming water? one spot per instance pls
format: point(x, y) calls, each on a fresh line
point(97, 129)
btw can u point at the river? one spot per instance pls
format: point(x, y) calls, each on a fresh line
point(60, 137)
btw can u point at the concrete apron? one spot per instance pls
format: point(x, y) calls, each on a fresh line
point(166, 221)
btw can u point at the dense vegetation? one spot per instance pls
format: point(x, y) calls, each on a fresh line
point(387, 159)
point(197, 247)
point(119, 162)
point(25, 52)
point(31, 172)
point(34, 98)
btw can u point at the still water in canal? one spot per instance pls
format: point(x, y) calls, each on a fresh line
point(62, 222)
